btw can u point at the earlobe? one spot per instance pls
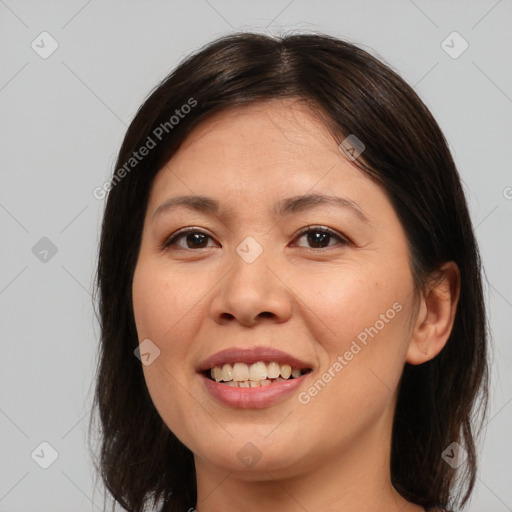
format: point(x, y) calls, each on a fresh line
point(436, 315)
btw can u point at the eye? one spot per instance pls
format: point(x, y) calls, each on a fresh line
point(192, 238)
point(320, 237)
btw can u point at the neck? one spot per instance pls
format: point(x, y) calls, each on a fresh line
point(351, 479)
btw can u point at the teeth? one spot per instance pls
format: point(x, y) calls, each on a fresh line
point(227, 373)
point(217, 373)
point(252, 383)
point(254, 375)
point(286, 371)
point(240, 372)
point(258, 371)
point(273, 370)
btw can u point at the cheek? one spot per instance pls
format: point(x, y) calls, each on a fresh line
point(169, 308)
point(361, 324)
point(352, 303)
point(162, 302)
point(162, 315)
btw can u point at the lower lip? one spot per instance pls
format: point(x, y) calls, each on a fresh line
point(255, 398)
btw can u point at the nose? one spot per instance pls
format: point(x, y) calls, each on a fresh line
point(252, 293)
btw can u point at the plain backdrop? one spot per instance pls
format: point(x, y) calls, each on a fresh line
point(63, 113)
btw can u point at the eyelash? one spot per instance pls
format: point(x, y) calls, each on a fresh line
point(307, 229)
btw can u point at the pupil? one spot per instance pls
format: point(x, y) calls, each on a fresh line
point(318, 238)
point(196, 239)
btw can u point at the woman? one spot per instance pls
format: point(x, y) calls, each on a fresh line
point(287, 250)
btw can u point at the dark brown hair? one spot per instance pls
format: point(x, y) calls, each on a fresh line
point(439, 402)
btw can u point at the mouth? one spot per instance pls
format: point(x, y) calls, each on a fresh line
point(261, 373)
point(253, 378)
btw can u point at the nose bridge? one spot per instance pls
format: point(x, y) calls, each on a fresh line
point(250, 289)
point(250, 263)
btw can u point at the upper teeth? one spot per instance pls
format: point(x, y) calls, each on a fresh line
point(256, 372)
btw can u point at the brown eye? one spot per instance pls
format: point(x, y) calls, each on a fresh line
point(320, 237)
point(193, 239)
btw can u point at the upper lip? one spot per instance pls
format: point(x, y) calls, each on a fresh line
point(250, 356)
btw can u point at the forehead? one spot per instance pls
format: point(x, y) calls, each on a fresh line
point(276, 146)
point(289, 121)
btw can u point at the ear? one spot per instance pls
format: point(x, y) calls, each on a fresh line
point(436, 314)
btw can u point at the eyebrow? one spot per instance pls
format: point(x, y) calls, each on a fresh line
point(284, 207)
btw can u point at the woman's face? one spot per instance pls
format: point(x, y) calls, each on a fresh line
point(257, 282)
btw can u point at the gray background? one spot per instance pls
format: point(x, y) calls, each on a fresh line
point(62, 121)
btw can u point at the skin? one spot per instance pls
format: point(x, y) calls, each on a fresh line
point(312, 301)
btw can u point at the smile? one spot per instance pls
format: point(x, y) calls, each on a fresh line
point(255, 375)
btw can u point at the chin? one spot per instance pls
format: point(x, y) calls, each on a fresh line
point(251, 459)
